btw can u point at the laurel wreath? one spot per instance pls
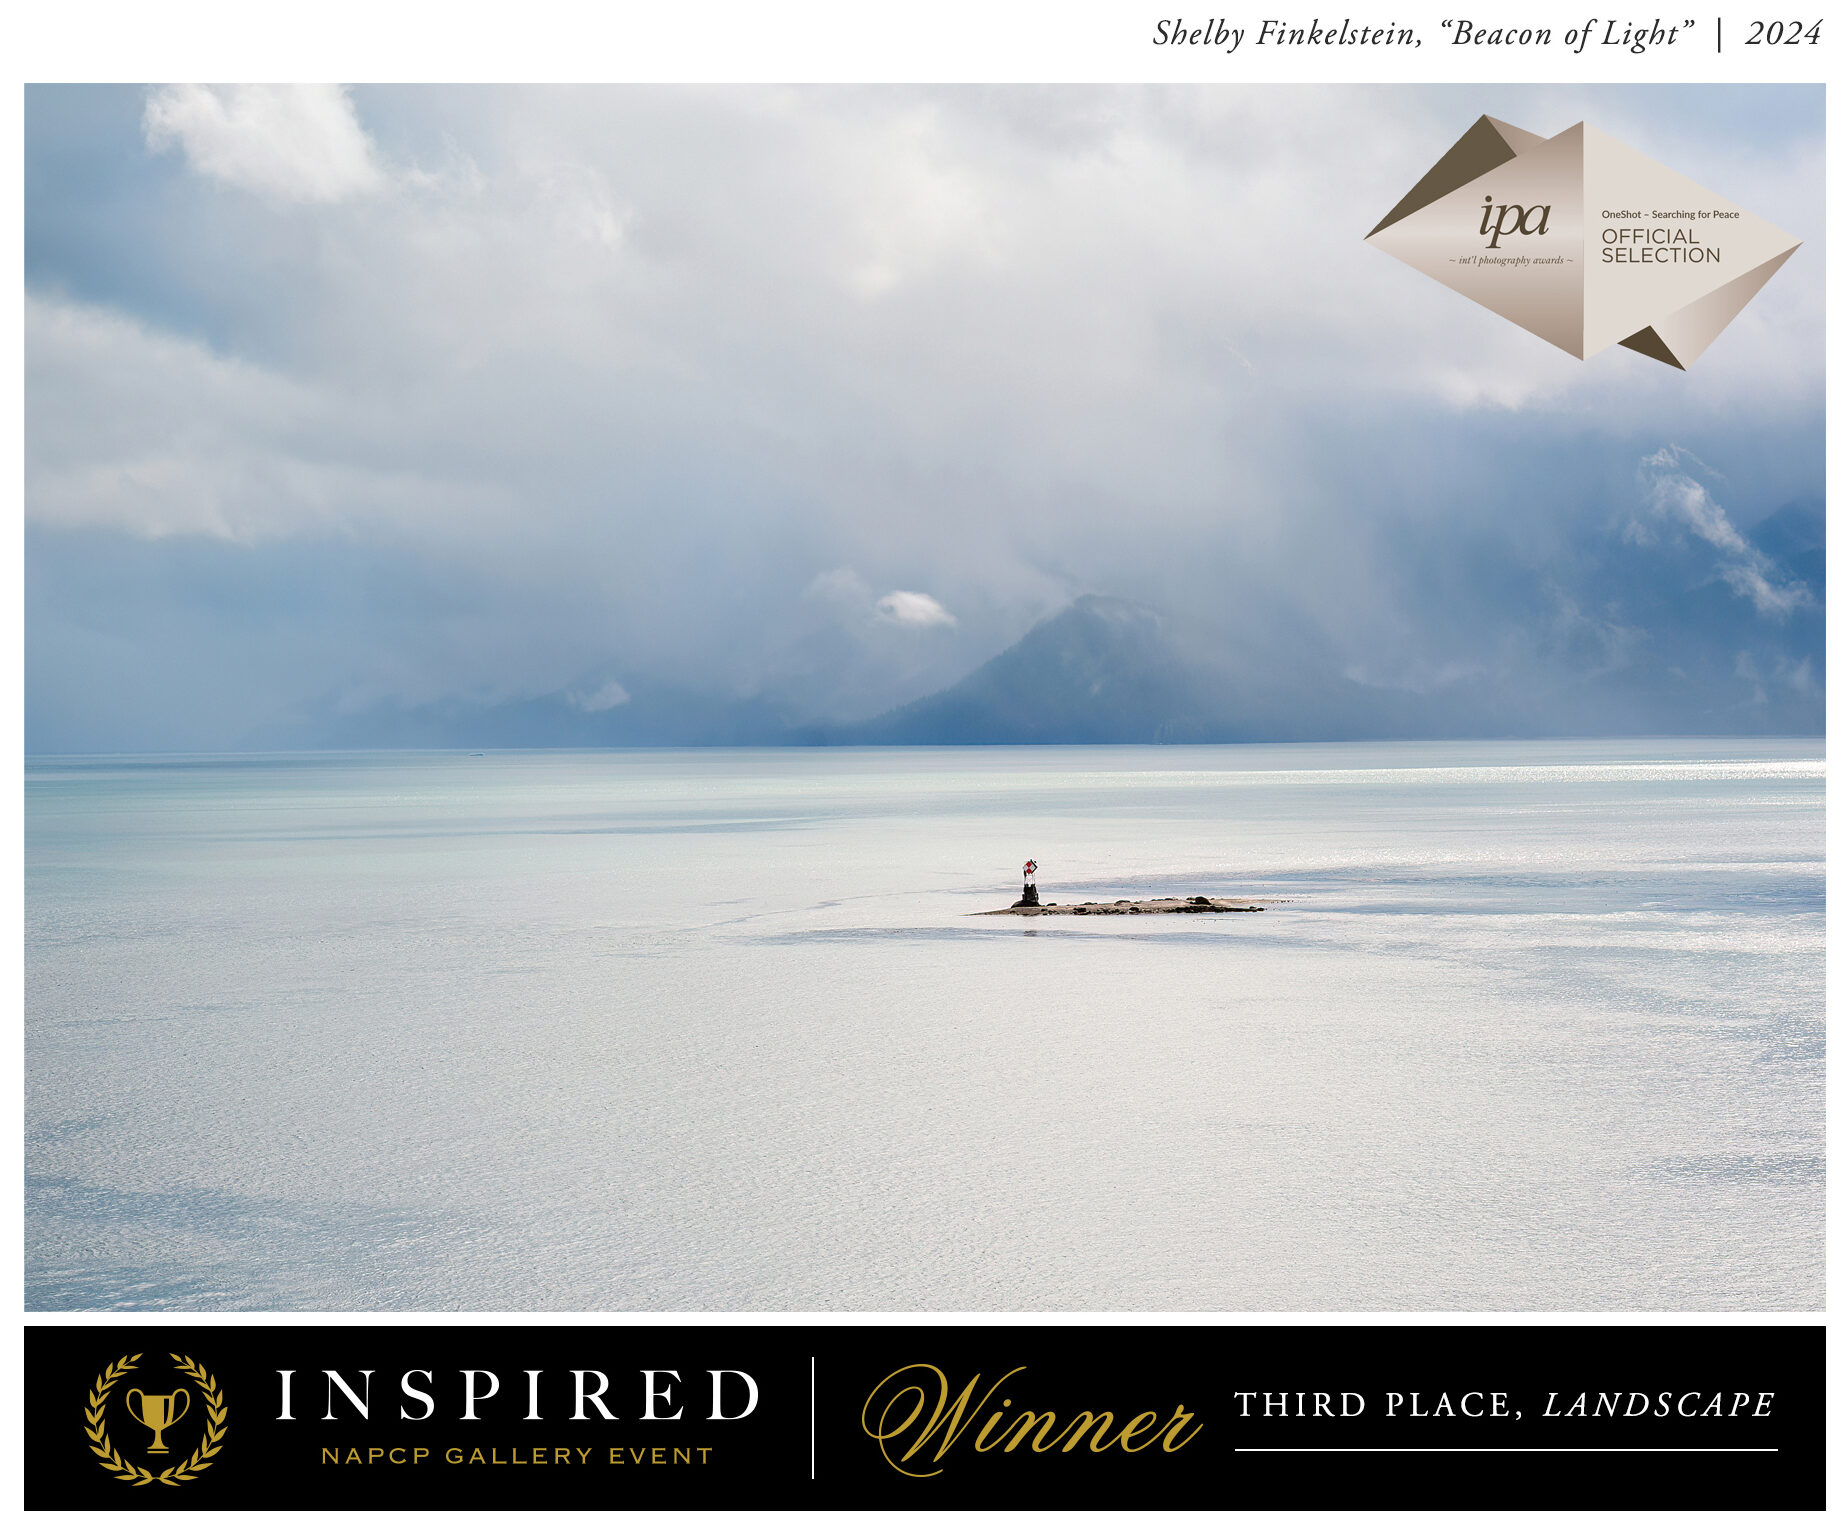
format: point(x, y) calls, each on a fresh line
point(134, 1474)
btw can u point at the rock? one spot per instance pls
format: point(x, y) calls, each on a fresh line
point(1196, 904)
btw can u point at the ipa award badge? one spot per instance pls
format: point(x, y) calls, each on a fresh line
point(1584, 241)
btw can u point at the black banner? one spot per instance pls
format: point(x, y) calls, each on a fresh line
point(1054, 1417)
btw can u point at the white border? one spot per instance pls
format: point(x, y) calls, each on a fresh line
point(735, 41)
point(851, 41)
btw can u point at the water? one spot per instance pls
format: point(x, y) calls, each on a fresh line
point(1523, 1027)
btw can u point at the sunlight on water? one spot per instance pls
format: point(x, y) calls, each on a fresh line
point(1523, 1026)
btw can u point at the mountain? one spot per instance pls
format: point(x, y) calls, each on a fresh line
point(1691, 655)
point(1106, 671)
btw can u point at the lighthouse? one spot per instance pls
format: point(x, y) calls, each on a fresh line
point(1030, 897)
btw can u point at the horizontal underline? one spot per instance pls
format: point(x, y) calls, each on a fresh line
point(1508, 1450)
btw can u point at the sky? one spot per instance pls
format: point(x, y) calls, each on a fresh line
point(350, 404)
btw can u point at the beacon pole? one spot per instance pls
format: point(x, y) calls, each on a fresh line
point(1030, 897)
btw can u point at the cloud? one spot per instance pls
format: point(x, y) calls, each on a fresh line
point(611, 694)
point(606, 375)
point(1676, 496)
point(159, 435)
point(845, 593)
point(840, 588)
point(294, 143)
point(914, 609)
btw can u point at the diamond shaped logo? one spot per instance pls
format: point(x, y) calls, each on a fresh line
point(1583, 241)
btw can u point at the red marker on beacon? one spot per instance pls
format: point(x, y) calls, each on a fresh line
point(1030, 897)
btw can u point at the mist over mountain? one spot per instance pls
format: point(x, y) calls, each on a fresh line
point(1106, 671)
point(1735, 649)
point(1676, 624)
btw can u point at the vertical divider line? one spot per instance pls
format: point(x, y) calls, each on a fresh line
point(811, 1453)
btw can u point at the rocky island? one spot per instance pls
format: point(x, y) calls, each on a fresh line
point(1197, 904)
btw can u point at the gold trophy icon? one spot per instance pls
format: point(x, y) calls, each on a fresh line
point(158, 1412)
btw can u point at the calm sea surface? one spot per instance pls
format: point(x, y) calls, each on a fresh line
point(1526, 1027)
